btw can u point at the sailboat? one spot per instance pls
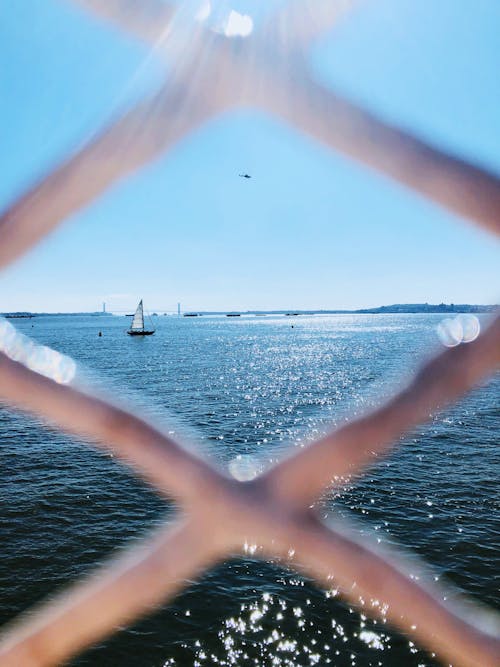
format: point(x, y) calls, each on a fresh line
point(137, 326)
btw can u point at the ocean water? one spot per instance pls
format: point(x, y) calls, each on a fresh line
point(253, 387)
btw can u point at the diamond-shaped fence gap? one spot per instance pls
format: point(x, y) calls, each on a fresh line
point(384, 48)
point(269, 516)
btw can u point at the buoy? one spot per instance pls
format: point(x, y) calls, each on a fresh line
point(100, 333)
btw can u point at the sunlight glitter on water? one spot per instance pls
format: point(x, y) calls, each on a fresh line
point(253, 386)
point(287, 636)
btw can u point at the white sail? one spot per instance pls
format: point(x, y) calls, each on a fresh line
point(138, 321)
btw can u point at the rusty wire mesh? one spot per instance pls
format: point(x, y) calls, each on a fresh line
point(270, 516)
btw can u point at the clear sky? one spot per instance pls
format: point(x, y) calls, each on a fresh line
point(310, 229)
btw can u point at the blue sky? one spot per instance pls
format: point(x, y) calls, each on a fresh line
point(310, 229)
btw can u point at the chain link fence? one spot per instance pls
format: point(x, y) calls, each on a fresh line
point(269, 517)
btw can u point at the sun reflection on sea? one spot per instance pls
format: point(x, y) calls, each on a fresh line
point(287, 635)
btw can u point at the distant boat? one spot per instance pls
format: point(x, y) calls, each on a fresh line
point(233, 315)
point(190, 314)
point(137, 325)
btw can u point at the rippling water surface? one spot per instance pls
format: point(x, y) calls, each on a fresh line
point(249, 387)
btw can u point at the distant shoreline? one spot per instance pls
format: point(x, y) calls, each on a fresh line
point(401, 308)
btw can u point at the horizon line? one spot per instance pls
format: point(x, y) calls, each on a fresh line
point(441, 307)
